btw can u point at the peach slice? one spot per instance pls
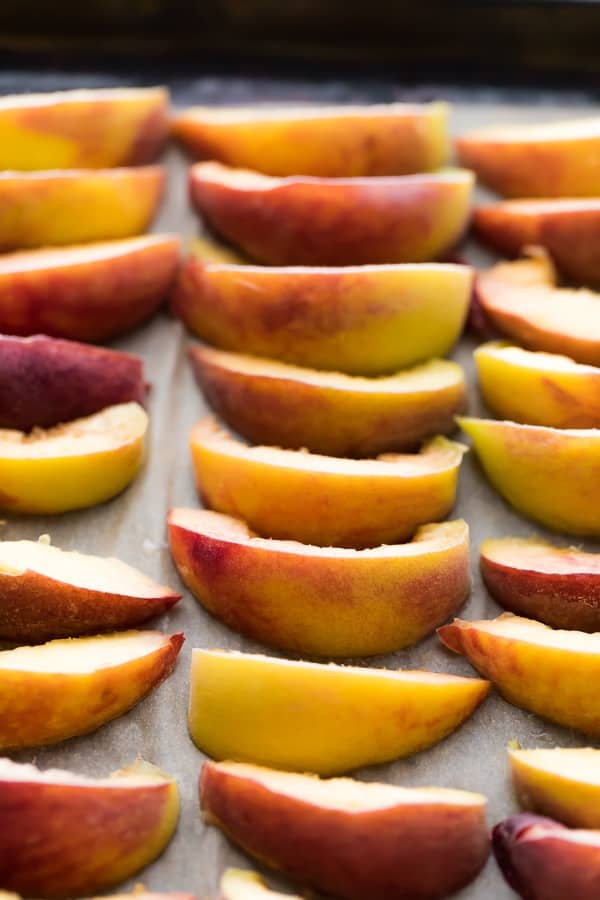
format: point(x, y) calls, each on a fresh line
point(322, 601)
point(61, 689)
point(538, 388)
point(362, 320)
point(551, 673)
point(522, 301)
point(76, 205)
point(542, 860)
point(45, 381)
point(324, 500)
point(84, 129)
point(558, 586)
point(49, 593)
point(349, 838)
point(327, 412)
point(65, 835)
point(568, 229)
point(330, 141)
point(318, 718)
point(337, 221)
point(238, 884)
point(548, 474)
point(90, 292)
point(82, 463)
point(563, 783)
point(209, 250)
point(550, 159)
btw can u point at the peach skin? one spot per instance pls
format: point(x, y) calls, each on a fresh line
point(64, 835)
point(72, 466)
point(522, 301)
point(79, 684)
point(547, 474)
point(347, 838)
point(327, 141)
point(83, 129)
point(328, 412)
point(90, 292)
point(362, 320)
point(334, 222)
point(50, 593)
point(569, 230)
point(551, 673)
point(550, 159)
point(238, 884)
point(559, 586)
point(76, 205)
point(538, 388)
point(543, 860)
point(327, 719)
point(321, 601)
point(324, 500)
point(563, 783)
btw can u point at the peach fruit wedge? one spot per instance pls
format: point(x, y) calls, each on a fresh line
point(362, 320)
point(551, 673)
point(569, 230)
point(327, 141)
point(328, 412)
point(324, 500)
point(521, 300)
point(72, 466)
point(83, 129)
point(347, 838)
point(65, 688)
point(76, 205)
point(547, 474)
point(543, 860)
point(538, 388)
point(549, 159)
point(89, 292)
point(321, 601)
point(239, 884)
point(562, 783)
point(326, 719)
point(64, 835)
point(337, 221)
point(45, 381)
point(50, 593)
point(559, 586)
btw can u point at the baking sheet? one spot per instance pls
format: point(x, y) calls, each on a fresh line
point(132, 527)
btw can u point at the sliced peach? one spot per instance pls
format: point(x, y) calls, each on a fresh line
point(548, 474)
point(72, 466)
point(50, 593)
point(568, 229)
point(318, 718)
point(238, 884)
point(347, 838)
point(84, 129)
point(558, 586)
point(551, 673)
point(322, 601)
point(45, 381)
point(89, 292)
point(337, 221)
point(542, 860)
point(550, 159)
point(331, 141)
point(64, 835)
point(522, 301)
point(76, 205)
point(538, 388)
point(61, 689)
point(563, 783)
point(327, 412)
point(363, 320)
point(324, 500)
